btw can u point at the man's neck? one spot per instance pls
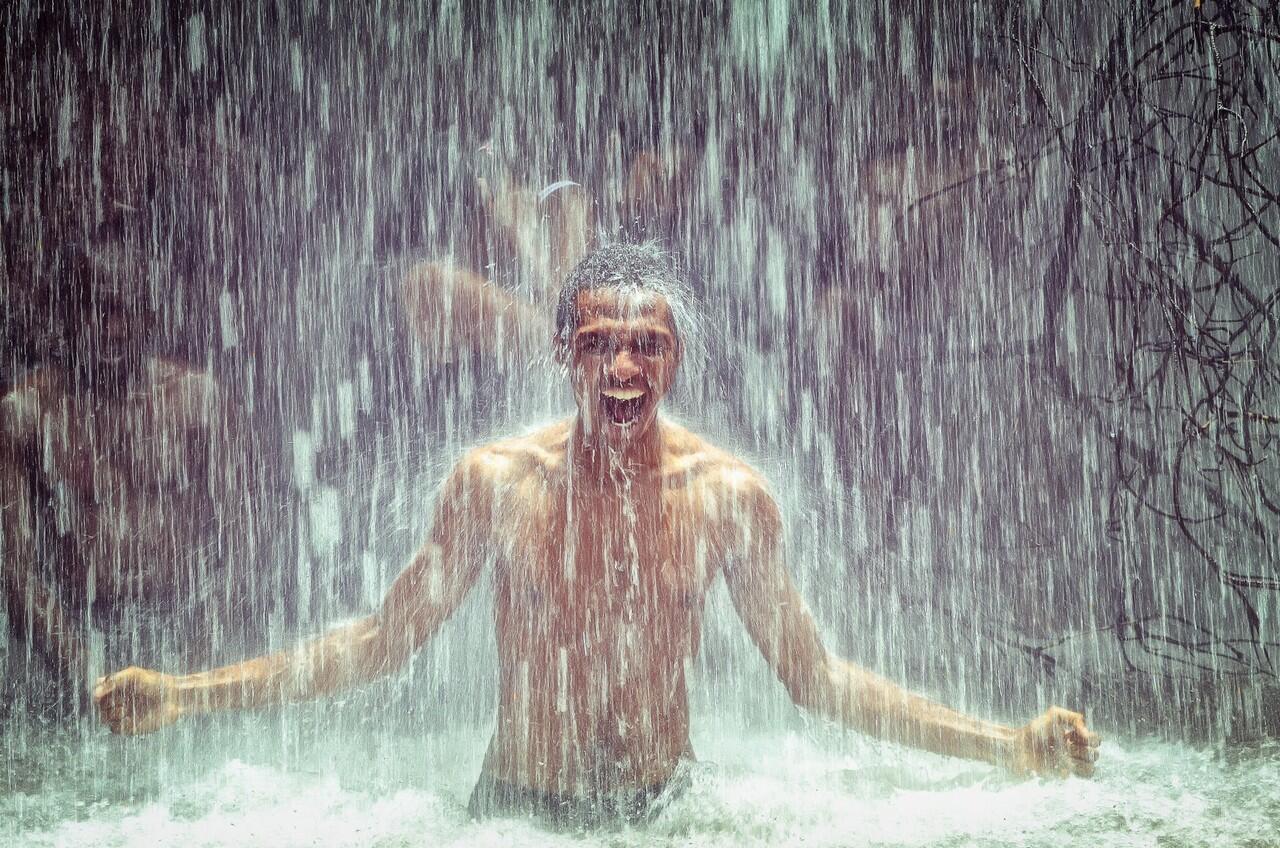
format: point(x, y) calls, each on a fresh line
point(595, 459)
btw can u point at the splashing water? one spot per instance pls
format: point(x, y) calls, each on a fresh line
point(817, 789)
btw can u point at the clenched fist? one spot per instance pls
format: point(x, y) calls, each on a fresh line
point(1056, 743)
point(137, 700)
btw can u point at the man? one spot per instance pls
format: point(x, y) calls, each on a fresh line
point(499, 279)
point(604, 533)
point(530, 238)
point(940, 294)
point(115, 483)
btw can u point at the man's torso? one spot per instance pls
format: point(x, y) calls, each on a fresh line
point(125, 482)
point(599, 590)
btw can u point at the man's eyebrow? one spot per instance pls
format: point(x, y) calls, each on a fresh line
point(587, 334)
point(653, 333)
point(598, 327)
point(617, 327)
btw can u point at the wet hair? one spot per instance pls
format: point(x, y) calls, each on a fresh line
point(625, 267)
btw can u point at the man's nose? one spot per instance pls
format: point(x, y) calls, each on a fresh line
point(624, 366)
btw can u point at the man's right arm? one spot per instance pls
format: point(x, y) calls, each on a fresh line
point(424, 595)
point(547, 234)
point(450, 308)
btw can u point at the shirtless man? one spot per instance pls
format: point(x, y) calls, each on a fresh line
point(603, 533)
point(113, 479)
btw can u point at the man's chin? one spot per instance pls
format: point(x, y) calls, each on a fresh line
point(624, 432)
point(619, 434)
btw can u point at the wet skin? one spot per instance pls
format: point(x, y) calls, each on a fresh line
point(119, 457)
point(604, 533)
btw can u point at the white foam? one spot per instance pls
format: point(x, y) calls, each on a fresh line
point(748, 789)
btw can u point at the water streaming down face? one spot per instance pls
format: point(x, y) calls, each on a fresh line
point(989, 298)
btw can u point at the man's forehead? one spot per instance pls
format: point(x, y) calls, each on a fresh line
point(601, 307)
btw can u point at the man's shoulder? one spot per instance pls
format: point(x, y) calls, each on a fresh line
point(21, 406)
point(192, 395)
point(719, 485)
point(693, 457)
point(181, 379)
point(514, 457)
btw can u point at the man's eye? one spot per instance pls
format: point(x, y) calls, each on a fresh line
point(591, 344)
point(648, 346)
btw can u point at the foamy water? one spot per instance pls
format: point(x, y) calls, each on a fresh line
point(818, 788)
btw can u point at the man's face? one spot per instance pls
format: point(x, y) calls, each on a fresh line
point(114, 332)
point(623, 357)
point(926, 197)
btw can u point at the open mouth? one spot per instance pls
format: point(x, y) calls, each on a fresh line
point(622, 406)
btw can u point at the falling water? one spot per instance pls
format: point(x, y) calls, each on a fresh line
point(989, 295)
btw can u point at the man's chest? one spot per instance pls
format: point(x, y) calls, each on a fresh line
point(594, 572)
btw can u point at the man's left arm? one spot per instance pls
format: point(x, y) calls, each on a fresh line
point(779, 622)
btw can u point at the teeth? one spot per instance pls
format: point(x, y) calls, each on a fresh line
point(623, 394)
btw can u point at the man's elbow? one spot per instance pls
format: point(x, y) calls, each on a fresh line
point(424, 291)
point(380, 650)
point(815, 687)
